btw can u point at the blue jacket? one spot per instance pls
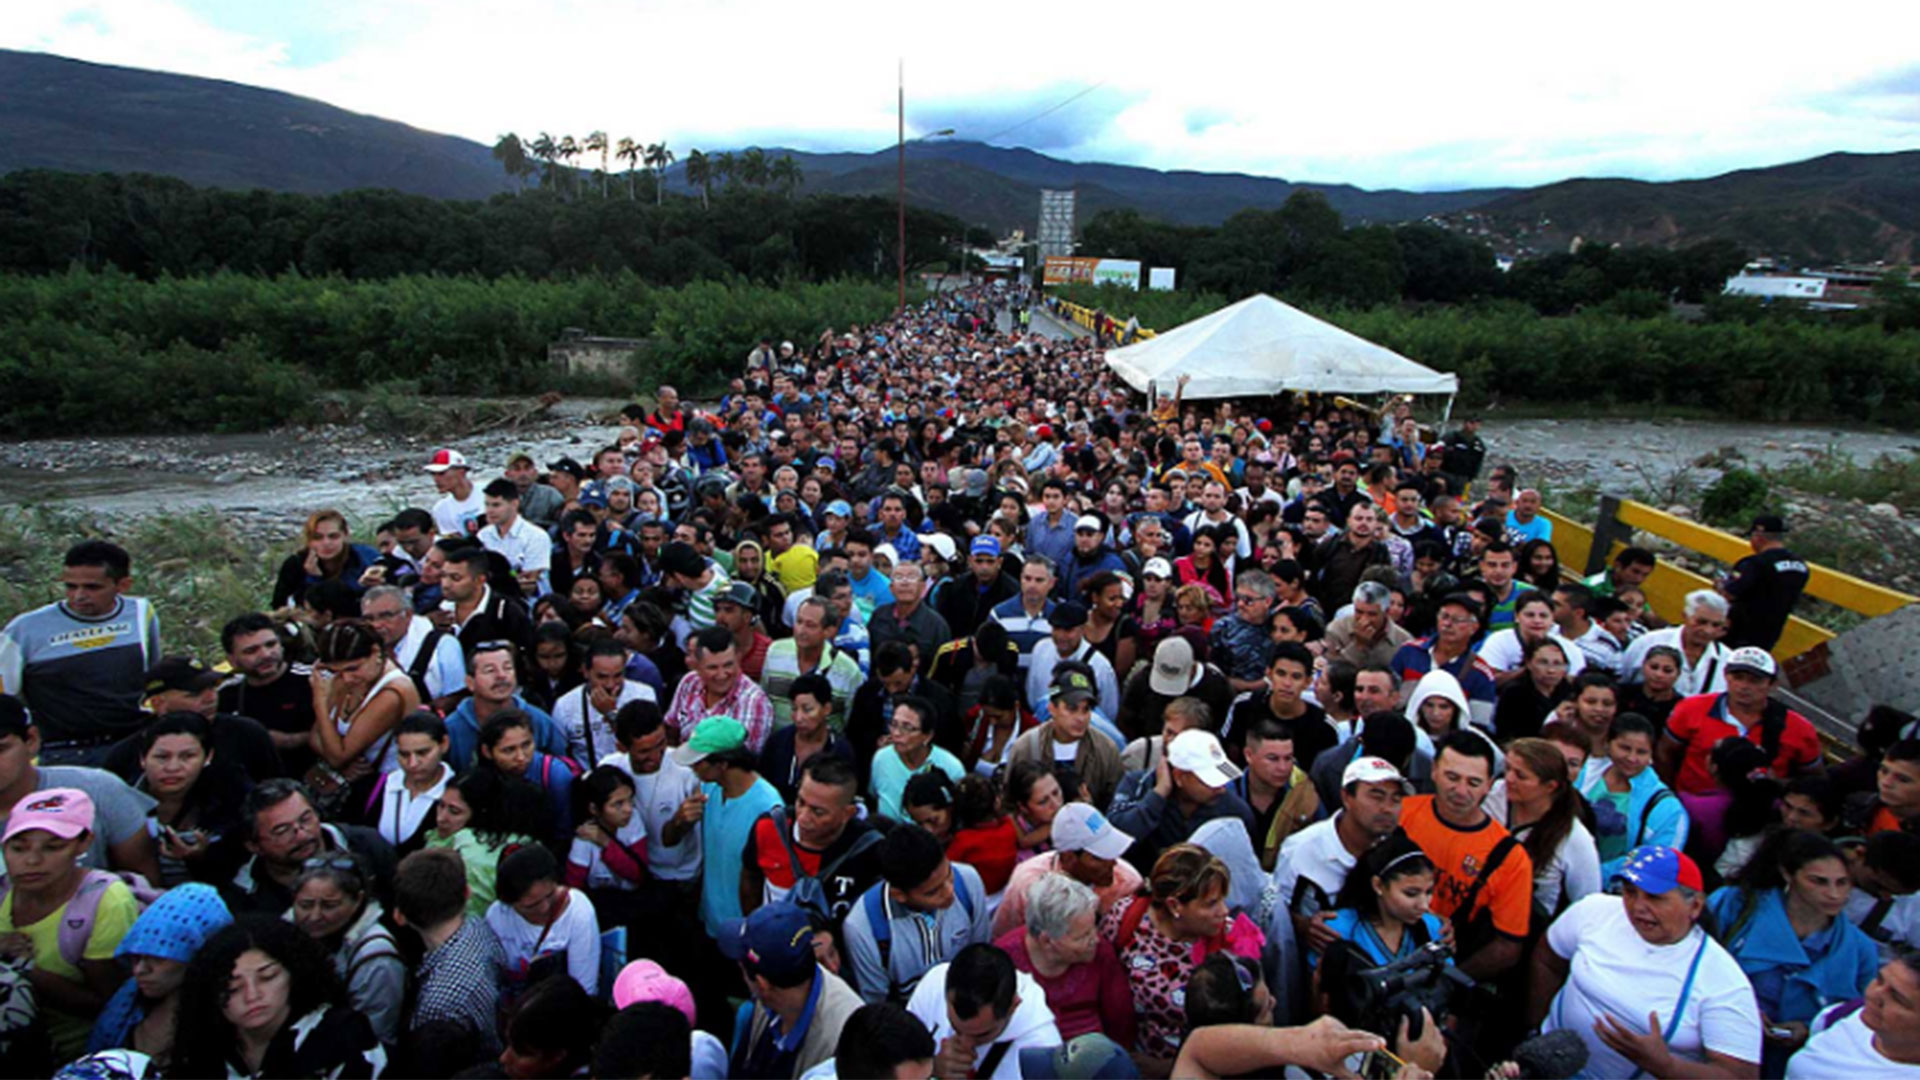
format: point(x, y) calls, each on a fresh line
point(1666, 822)
point(463, 733)
point(1766, 941)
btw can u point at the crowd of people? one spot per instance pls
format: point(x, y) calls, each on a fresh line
point(934, 705)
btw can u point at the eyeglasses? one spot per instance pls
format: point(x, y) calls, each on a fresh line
point(302, 823)
point(1248, 599)
point(331, 862)
point(382, 616)
point(906, 728)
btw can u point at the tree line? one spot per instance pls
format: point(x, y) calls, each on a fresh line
point(152, 225)
point(552, 159)
point(1302, 251)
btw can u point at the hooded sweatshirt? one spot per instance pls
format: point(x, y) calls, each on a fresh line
point(1442, 684)
point(1030, 1027)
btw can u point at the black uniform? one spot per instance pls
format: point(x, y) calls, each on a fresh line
point(1762, 589)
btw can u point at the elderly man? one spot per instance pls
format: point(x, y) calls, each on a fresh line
point(1704, 670)
point(1365, 635)
point(909, 617)
point(716, 687)
point(429, 655)
point(282, 831)
point(1240, 643)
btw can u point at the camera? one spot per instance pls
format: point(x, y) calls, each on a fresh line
point(1375, 997)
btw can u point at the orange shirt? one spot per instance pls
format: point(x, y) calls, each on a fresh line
point(1459, 856)
point(1883, 821)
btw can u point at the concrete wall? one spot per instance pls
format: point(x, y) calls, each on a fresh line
point(594, 355)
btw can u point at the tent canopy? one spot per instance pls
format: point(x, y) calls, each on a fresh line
point(1261, 346)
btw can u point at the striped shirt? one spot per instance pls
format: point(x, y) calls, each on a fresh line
point(82, 677)
point(782, 668)
point(700, 603)
point(1024, 630)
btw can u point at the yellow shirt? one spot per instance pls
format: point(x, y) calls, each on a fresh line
point(110, 923)
point(796, 567)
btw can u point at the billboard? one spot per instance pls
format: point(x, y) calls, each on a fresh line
point(1056, 222)
point(1081, 270)
point(1161, 278)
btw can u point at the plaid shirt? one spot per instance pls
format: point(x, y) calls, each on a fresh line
point(746, 702)
point(460, 981)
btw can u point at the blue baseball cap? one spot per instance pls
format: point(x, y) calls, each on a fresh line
point(839, 508)
point(986, 545)
point(775, 941)
point(1659, 870)
point(1092, 1056)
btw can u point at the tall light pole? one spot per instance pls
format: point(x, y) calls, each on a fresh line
point(901, 189)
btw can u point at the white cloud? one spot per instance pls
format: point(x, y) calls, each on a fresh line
point(1395, 94)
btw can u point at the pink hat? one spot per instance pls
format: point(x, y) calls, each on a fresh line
point(644, 980)
point(63, 811)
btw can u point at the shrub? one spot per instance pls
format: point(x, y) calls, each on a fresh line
point(1734, 499)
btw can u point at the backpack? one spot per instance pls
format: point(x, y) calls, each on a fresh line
point(808, 892)
point(883, 927)
point(422, 660)
point(76, 924)
point(1646, 814)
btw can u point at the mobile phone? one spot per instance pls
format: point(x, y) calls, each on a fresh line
point(1380, 1065)
point(1779, 1032)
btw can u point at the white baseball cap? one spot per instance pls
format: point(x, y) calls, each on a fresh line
point(1089, 523)
point(1080, 827)
point(1374, 770)
point(1172, 671)
point(1753, 658)
point(1157, 567)
point(1199, 753)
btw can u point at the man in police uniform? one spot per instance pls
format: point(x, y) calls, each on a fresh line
point(1763, 586)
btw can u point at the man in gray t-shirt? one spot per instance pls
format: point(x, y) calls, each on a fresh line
point(120, 838)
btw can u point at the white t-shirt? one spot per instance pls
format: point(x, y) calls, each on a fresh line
point(576, 932)
point(657, 797)
point(1898, 928)
point(1615, 972)
point(598, 876)
point(460, 517)
point(1844, 1048)
point(1312, 866)
point(1503, 652)
point(1575, 869)
point(1031, 1025)
point(574, 712)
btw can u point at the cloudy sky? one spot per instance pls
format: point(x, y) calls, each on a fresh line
point(1423, 96)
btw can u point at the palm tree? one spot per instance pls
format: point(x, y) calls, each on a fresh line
point(753, 167)
point(658, 158)
point(700, 173)
point(629, 152)
point(567, 151)
point(598, 141)
point(786, 173)
point(512, 156)
point(727, 167)
point(548, 151)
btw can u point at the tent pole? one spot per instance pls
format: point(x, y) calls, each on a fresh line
point(1447, 414)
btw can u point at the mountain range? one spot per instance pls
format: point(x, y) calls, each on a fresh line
point(82, 117)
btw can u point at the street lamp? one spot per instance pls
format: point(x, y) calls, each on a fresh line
point(902, 185)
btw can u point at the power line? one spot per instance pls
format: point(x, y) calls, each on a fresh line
point(1046, 112)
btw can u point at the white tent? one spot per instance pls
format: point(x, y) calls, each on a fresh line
point(1261, 346)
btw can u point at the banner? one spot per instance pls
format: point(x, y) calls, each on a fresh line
point(1160, 278)
point(1082, 270)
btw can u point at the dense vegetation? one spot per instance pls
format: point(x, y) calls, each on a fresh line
point(106, 351)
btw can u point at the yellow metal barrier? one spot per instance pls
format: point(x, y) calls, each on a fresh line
point(1085, 317)
point(1669, 585)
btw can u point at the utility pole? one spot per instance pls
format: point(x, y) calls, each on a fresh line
point(900, 251)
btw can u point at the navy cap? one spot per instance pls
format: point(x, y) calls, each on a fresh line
point(775, 941)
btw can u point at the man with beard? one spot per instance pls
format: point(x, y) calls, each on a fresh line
point(276, 693)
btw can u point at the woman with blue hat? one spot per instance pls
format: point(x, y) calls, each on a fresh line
point(140, 1015)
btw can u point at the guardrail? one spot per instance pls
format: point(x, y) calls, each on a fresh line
point(1594, 548)
point(1085, 317)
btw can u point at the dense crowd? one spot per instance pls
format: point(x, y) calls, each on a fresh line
point(935, 705)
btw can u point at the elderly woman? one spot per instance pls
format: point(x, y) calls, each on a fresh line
point(332, 905)
point(1164, 932)
point(1783, 922)
point(1060, 946)
point(1645, 987)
